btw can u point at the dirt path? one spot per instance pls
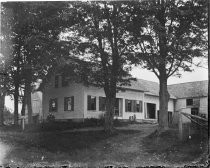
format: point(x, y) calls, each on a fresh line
point(86, 147)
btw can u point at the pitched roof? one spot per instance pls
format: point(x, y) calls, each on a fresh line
point(149, 87)
point(189, 89)
point(181, 90)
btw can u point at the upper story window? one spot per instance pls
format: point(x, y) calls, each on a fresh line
point(91, 102)
point(53, 105)
point(64, 81)
point(133, 105)
point(69, 103)
point(56, 81)
point(189, 102)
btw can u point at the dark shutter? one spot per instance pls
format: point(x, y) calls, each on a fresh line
point(133, 104)
point(65, 103)
point(126, 105)
point(140, 106)
point(72, 103)
point(89, 102)
point(56, 81)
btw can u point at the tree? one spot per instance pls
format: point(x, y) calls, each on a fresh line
point(101, 41)
point(35, 44)
point(174, 33)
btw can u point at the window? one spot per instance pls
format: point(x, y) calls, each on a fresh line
point(189, 102)
point(69, 103)
point(133, 105)
point(102, 103)
point(91, 103)
point(64, 81)
point(53, 104)
point(56, 81)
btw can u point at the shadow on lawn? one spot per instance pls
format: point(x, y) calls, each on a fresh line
point(168, 146)
point(59, 142)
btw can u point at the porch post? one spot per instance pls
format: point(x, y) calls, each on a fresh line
point(143, 108)
point(123, 107)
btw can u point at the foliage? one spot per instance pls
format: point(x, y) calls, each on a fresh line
point(50, 118)
point(166, 36)
point(101, 40)
point(173, 33)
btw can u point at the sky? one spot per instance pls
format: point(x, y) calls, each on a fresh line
point(198, 74)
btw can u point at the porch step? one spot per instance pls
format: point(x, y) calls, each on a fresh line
point(150, 121)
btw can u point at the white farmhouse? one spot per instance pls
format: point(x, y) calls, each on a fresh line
point(73, 101)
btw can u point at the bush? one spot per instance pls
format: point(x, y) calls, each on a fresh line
point(50, 118)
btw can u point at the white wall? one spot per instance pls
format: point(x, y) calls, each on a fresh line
point(180, 105)
point(93, 91)
point(76, 90)
point(204, 105)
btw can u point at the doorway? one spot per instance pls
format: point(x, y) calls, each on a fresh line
point(151, 108)
point(194, 111)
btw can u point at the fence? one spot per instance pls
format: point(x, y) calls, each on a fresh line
point(194, 124)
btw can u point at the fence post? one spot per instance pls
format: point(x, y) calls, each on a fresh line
point(23, 122)
point(180, 127)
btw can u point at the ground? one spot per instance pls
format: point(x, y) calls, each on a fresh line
point(133, 145)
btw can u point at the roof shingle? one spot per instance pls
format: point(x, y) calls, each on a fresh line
point(189, 89)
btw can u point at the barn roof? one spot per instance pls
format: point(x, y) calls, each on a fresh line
point(181, 90)
point(189, 89)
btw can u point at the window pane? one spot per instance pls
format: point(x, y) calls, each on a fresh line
point(129, 105)
point(69, 103)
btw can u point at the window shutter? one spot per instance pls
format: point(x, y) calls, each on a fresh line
point(126, 105)
point(145, 110)
point(50, 105)
point(56, 104)
point(133, 104)
point(140, 106)
point(56, 81)
point(72, 103)
point(65, 104)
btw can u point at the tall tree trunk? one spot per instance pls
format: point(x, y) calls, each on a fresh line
point(163, 99)
point(2, 102)
point(23, 104)
point(16, 99)
point(28, 101)
point(109, 115)
point(28, 82)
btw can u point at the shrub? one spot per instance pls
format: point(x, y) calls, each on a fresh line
point(50, 117)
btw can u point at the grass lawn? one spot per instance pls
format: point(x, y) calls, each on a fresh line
point(132, 145)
